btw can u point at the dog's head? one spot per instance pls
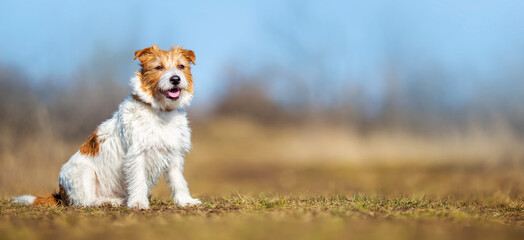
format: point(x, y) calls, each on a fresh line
point(165, 76)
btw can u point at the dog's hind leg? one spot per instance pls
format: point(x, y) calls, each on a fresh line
point(79, 182)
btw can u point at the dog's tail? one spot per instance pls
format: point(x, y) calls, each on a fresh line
point(49, 200)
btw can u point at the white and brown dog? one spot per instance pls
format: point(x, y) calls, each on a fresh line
point(148, 136)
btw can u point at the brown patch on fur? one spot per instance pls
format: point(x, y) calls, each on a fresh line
point(48, 200)
point(152, 57)
point(189, 54)
point(60, 198)
point(91, 147)
point(137, 98)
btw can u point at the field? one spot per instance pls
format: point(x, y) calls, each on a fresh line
point(276, 217)
point(305, 182)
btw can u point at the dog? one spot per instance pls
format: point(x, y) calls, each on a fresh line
point(146, 137)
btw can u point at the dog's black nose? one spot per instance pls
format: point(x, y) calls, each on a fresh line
point(175, 80)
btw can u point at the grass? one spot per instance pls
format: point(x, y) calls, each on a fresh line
point(302, 202)
point(276, 217)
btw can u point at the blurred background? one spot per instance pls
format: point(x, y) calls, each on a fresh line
point(303, 97)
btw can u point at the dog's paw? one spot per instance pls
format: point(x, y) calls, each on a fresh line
point(185, 201)
point(138, 205)
point(109, 202)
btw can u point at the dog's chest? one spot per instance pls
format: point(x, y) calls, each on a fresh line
point(162, 133)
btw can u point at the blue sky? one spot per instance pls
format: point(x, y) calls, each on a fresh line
point(57, 38)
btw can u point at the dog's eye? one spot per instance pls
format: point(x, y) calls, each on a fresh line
point(181, 66)
point(159, 67)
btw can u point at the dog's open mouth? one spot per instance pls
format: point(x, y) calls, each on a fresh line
point(173, 94)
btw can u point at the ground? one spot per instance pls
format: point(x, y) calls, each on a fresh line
point(276, 217)
point(258, 183)
point(457, 210)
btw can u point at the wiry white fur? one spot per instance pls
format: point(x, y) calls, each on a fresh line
point(26, 200)
point(137, 145)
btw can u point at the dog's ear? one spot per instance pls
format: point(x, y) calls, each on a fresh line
point(140, 54)
point(189, 54)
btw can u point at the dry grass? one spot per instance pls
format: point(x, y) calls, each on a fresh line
point(308, 182)
point(275, 217)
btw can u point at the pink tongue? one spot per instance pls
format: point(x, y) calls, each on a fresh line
point(173, 94)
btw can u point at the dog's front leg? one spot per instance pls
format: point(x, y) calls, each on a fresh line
point(178, 184)
point(135, 177)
